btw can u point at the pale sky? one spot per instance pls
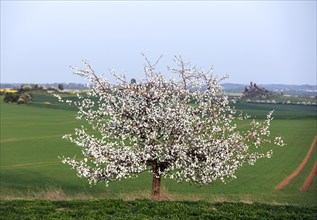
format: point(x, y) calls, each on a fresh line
point(260, 41)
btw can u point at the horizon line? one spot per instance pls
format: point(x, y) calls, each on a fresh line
point(291, 84)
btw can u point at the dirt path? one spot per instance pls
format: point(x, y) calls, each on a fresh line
point(31, 164)
point(288, 179)
point(30, 138)
point(309, 180)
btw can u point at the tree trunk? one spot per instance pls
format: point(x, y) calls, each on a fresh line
point(156, 186)
point(156, 182)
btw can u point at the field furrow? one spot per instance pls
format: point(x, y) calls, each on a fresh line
point(290, 178)
point(308, 182)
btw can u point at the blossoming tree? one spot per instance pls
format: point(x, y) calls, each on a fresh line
point(182, 129)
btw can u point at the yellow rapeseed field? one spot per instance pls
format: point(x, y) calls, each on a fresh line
point(8, 90)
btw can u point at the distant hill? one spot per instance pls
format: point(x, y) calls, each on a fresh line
point(302, 90)
point(253, 90)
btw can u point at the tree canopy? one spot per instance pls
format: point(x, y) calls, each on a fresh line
point(181, 128)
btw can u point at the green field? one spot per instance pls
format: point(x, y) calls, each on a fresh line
point(31, 144)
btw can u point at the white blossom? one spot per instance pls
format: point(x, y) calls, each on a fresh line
point(180, 128)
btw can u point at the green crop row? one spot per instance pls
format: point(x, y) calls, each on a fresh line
point(146, 209)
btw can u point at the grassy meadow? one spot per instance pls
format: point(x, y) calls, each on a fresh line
point(31, 144)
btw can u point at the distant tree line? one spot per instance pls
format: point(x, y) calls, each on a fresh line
point(23, 94)
point(71, 86)
point(17, 97)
